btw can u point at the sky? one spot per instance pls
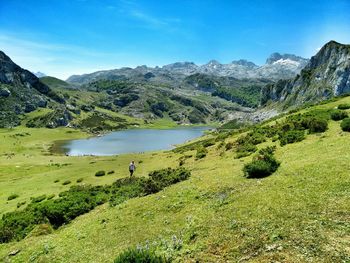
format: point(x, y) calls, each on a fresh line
point(65, 37)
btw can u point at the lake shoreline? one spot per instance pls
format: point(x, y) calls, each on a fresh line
point(138, 140)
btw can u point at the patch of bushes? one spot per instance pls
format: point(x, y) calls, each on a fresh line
point(81, 199)
point(139, 256)
point(344, 106)
point(162, 178)
point(245, 149)
point(100, 173)
point(338, 115)
point(111, 172)
point(12, 196)
point(345, 125)
point(291, 136)
point(316, 125)
point(201, 153)
point(79, 180)
point(262, 165)
point(66, 182)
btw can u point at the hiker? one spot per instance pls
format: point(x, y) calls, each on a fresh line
point(132, 168)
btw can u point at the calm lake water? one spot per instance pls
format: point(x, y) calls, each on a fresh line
point(130, 141)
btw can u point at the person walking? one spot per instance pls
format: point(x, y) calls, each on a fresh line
point(132, 168)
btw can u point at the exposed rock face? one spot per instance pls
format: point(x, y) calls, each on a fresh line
point(10, 73)
point(20, 92)
point(327, 74)
point(4, 92)
point(277, 67)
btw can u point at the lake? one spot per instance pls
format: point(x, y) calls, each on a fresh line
point(129, 141)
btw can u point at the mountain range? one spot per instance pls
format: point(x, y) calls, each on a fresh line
point(181, 92)
point(277, 66)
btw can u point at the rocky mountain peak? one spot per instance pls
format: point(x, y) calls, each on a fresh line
point(245, 63)
point(277, 57)
point(330, 53)
point(327, 74)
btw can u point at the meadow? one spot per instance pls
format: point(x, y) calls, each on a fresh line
point(300, 213)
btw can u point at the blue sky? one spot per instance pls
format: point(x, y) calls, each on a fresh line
point(66, 37)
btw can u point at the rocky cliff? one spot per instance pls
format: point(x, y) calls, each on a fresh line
point(22, 92)
point(327, 74)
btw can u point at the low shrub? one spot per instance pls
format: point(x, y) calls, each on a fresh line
point(201, 153)
point(50, 196)
point(291, 136)
point(56, 181)
point(209, 143)
point(139, 256)
point(19, 204)
point(317, 125)
point(344, 106)
point(66, 182)
point(338, 115)
point(12, 196)
point(245, 149)
point(100, 173)
point(111, 172)
point(79, 180)
point(345, 125)
point(262, 165)
point(38, 199)
point(229, 146)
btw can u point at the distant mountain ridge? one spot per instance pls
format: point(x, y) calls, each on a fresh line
point(277, 67)
point(327, 74)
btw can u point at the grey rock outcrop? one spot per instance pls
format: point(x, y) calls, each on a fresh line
point(327, 74)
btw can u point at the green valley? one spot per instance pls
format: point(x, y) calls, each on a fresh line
point(215, 215)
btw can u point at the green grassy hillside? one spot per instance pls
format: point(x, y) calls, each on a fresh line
point(300, 213)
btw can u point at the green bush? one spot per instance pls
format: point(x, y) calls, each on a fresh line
point(201, 153)
point(139, 256)
point(343, 106)
point(208, 143)
point(245, 149)
point(345, 124)
point(50, 196)
point(228, 146)
point(56, 181)
point(317, 125)
point(291, 136)
point(262, 165)
point(338, 115)
point(38, 199)
point(162, 178)
point(19, 204)
point(13, 196)
point(111, 172)
point(66, 182)
point(79, 180)
point(100, 173)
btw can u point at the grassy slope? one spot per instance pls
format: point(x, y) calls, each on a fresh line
point(299, 214)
